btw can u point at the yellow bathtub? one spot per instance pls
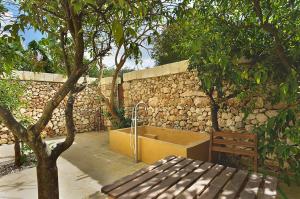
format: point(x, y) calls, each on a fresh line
point(155, 143)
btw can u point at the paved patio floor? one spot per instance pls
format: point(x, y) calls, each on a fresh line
point(83, 170)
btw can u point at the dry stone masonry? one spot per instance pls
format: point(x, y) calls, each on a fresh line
point(40, 87)
point(174, 100)
point(171, 92)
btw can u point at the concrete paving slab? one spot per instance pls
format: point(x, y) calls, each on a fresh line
point(83, 169)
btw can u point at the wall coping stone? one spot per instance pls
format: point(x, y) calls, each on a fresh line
point(57, 78)
point(167, 69)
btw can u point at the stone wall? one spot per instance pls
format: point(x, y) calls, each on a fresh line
point(40, 87)
point(171, 92)
point(174, 100)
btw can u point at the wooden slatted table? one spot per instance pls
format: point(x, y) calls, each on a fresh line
point(177, 177)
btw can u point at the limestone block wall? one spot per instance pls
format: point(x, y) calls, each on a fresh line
point(171, 92)
point(40, 87)
point(175, 101)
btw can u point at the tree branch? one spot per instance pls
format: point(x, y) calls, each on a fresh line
point(64, 52)
point(13, 125)
point(101, 53)
point(55, 101)
point(109, 105)
point(230, 96)
point(273, 31)
point(70, 126)
point(52, 13)
point(75, 27)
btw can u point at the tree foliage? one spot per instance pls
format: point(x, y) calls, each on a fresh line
point(10, 93)
point(130, 37)
point(107, 71)
point(77, 34)
point(164, 50)
point(280, 138)
point(35, 59)
point(247, 49)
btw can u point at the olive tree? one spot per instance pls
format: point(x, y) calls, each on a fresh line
point(79, 33)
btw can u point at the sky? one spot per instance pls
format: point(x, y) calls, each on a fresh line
point(146, 60)
point(30, 35)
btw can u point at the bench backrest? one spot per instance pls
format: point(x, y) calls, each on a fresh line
point(234, 143)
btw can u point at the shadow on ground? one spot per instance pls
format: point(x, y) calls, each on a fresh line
point(90, 153)
point(82, 170)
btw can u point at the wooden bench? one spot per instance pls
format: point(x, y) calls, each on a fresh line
point(244, 144)
point(177, 177)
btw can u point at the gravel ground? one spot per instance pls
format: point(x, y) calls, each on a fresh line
point(8, 167)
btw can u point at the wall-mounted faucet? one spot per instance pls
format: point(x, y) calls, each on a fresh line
point(134, 120)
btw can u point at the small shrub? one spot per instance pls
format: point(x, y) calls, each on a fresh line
point(279, 141)
point(28, 155)
point(124, 121)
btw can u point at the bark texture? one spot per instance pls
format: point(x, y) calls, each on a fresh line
point(73, 44)
point(214, 108)
point(18, 155)
point(47, 177)
point(214, 115)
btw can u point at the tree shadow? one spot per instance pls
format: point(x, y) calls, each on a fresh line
point(97, 195)
point(18, 186)
point(91, 155)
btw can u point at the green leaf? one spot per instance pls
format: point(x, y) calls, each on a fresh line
point(117, 32)
point(93, 2)
point(131, 32)
point(149, 40)
point(284, 88)
point(77, 5)
point(257, 77)
point(245, 75)
point(7, 27)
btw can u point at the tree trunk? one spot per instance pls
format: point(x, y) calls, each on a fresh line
point(214, 115)
point(113, 112)
point(113, 90)
point(112, 105)
point(110, 108)
point(17, 152)
point(47, 177)
point(110, 102)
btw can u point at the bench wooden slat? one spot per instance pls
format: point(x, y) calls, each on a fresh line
point(201, 183)
point(230, 134)
point(186, 178)
point(185, 182)
point(139, 180)
point(269, 190)
point(136, 174)
point(250, 191)
point(234, 143)
point(217, 184)
point(167, 183)
point(232, 188)
point(234, 151)
point(142, 188)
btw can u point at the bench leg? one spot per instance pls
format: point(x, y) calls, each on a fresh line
point(255, 163)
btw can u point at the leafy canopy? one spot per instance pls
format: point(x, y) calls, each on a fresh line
point(164, 50)
point(249, 49)
point(10, 54)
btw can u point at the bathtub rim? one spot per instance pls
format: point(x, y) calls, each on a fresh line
point(181, 145)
